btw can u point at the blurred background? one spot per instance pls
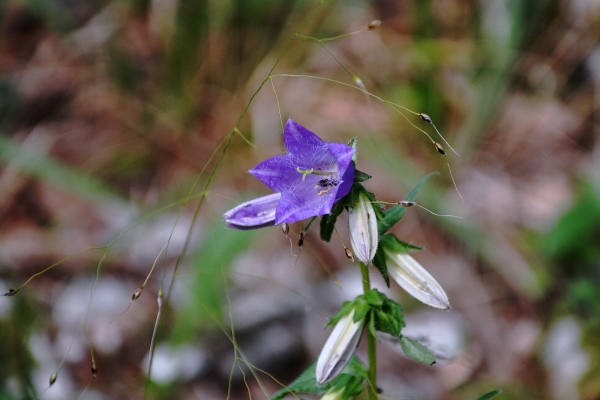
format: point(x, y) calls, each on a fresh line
point(116, 138)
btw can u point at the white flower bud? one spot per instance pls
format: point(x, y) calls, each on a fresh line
point(333, 395)
point(363, 229)
point(413, 278)
point(339, 348)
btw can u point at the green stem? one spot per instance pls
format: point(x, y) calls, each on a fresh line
point(371, 349)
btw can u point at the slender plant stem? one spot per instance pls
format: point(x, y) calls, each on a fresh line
point(372, 375)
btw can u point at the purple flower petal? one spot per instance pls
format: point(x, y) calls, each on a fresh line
point(310, 177)
point(255, 213)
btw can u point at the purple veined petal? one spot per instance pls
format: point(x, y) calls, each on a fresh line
point(255, 213)
point(310, 177)
point(347, 181)
point(299, 140)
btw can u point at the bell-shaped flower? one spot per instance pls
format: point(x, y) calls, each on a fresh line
point(339, 348)
point(312, 176)
point(415, 279)
point(255, 213)
point(364, 236)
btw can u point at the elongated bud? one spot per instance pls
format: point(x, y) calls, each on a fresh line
point(53, 378)
point(256, 213)
point(425, 118)
point(94, 369)
point(407, 203)
point(439, 148)
point(11, 292)
point(374, 24)
point(363, 229)
point(136, 295)
point(349, 254)
point(301, 240)
point(339, 348)
point(415, 279)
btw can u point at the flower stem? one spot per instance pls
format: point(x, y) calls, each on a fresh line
point(372, 375)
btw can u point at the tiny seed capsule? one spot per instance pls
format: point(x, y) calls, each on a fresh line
point(425, 118)
point(301, 240)
point(439, 148)
point(349, 254)
point(406, 203)
point(94, 369)
point(137, 294)
point(285, 227)
point(11, 292)
point(53, 378)
point(374, 24)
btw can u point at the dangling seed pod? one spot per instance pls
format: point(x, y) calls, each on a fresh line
point(374, 24)
point(53, 378)
point(439, 148)
point(407, 203)
point(349, 254)
point(285, 227)
point(137, 293)
point(11, 292)
point(426, 118)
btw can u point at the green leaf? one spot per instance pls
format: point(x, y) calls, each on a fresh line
point(360, 176)
point(381, 264)
point(392, 243)
point(351, 378)
point(490, 395)
point(416, 351)
point(305, 383)
point(389, 317)
point(413, 193)
point(328, 221)
point(344, 310)
point(395, 213)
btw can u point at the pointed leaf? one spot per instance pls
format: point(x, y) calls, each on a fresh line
point(395, 213)
point(392, 243)
point(360, 176)
point(307, 382)
point(380, 264)
point(490, 395)
point(416, 351)
point(389, 317)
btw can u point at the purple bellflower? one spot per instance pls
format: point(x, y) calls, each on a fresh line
point(309, 179)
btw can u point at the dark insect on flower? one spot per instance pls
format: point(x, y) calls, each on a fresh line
point(327, 184)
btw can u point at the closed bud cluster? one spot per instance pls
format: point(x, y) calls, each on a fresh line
point(363, 229)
